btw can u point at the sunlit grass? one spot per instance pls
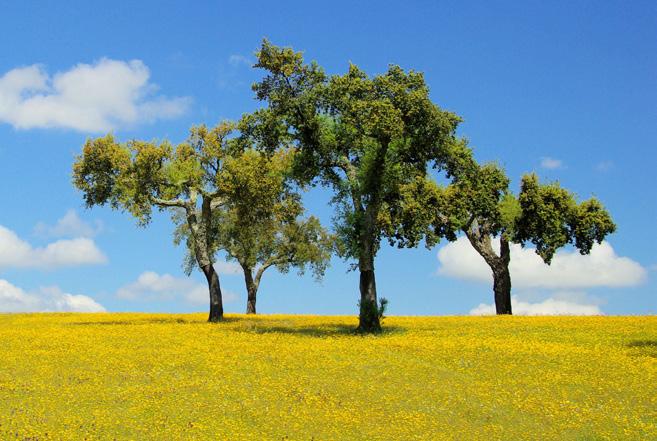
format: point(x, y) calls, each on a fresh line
point(170, 377)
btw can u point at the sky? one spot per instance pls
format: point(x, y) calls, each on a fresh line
point(564, 89)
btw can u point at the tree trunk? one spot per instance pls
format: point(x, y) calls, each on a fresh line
point(251, 290)
point(499, 265)
point(502, 280)
point(368, 320)
point(216, 306)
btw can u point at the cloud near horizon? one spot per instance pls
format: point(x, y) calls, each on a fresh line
point(549, 306)
point(151, 286)
point(569, 269)
point(45, 299)
point(98, 97)
point(17, 253)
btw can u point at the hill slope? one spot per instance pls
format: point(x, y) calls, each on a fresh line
point(148, 376)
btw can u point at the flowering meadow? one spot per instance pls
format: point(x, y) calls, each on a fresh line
point(170, 377)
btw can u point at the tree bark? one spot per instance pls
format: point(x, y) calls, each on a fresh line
point(368, 319)
point(216, 305)
point(499, 265)
point(251, 290)
point(502, 280)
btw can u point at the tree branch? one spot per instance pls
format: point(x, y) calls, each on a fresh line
point(169, 202)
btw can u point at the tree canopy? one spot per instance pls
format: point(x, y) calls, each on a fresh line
point(137, 176)
point(479, 202)
point(363, 136)
point(260, 223)
point(377, 141)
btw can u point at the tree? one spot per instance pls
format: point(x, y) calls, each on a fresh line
point(139, 175)
point(479, 202)
point(364, 137)
point(260, 224)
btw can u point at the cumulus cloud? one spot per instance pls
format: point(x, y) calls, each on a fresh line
point(17, 253)
point(569, 269)
point(151, 286)
point(46, 299)
point(549, 306)
point(88, 97)
point(551, 163)
point(70, 225)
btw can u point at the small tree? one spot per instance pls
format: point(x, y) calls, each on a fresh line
point(480, 203)
point(139, 175)
point(260, 224)
point(362, 136)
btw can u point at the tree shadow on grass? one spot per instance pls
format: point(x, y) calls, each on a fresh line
point(643, 347)
point(251, 325)
point(150, 321)
point(316, 331)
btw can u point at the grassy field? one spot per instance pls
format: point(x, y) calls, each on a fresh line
point(170, 377)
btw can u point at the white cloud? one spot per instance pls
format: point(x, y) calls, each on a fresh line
point(549, 306)
point(88, 97)
point(569, 269)
point(70, 225)
point(151, 286)
point(46, 299)
point(228, 268)
point(551, 163)
point(16, 253)
point(236, 60)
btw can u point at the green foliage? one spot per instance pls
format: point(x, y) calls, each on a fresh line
point(545, 215)
point(509, 210)
point(101, 170)
point(411, 216)
point(138, 175)
point(590, 223)
point(383, 305)
point(369, 138)
point(260, 222)
point(551, 218)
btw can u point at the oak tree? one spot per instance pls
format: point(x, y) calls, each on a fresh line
point(363, 136)
point(480, 203)
point(260, 223)
point(138, 176)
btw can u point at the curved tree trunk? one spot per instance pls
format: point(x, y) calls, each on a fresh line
point(499, 265)
point(216, 305)
point(200, 231)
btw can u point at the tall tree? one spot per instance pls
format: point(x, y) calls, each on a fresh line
point(362, 136)
point(137, 176)
point(260, 224)
point(479, 202)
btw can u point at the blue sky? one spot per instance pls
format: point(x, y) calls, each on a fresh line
point(566, 90)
